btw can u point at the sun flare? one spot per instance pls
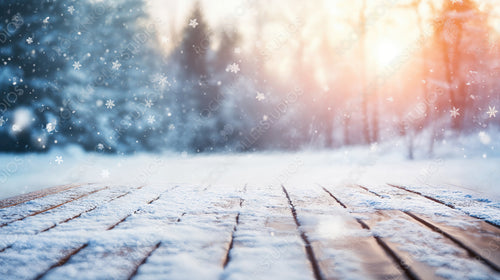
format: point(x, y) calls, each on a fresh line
point(385, 53)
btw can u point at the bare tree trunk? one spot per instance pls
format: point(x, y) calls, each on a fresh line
point(347, 123)
point(423, 71)
point(364, 102)
point(375, 115)
point(411, 141)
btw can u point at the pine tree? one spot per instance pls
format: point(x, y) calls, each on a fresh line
point(31, 73)
point(118, 75)
point(199, 94)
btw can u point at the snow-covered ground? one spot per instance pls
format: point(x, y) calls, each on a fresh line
point(469, 168)
point(465, 172)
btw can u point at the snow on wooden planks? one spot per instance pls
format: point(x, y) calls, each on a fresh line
point(241, 232)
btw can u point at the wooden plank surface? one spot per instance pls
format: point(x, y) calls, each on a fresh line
point(241, 232)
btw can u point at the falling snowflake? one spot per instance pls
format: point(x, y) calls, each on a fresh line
point(193, 23)
point(151, 119)
point(233, 68)
point(171, 126)
point(76, 65)
point(71, 9)
point(116, 65)
point(104, 173)
point(2, 121)
point(149, 103)
point(454, 112)
point(260, 96)
point(50, 127)
point(110, 104)
point(161, 80)
point(100, 147)
point(29, 40)
point(492, 111)
point(59, 159)
point(46, 20)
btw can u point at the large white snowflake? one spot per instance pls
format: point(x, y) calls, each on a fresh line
point(492, 111)
point(151, 119)
point(50, 127)
point(149, 103)
point(233, 68)
point(29, 40)
point(76, 65)
point(193, 23)
point(110, 104)
point(71, 9)
point(260, 96)
point(454, 112)
point(59, 159)
point(116, 65)
point(161, 80)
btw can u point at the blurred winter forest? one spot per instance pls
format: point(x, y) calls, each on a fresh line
point(126, 76)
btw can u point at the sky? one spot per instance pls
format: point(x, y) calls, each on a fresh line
point(295, 20)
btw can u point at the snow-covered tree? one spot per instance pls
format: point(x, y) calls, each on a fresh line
point(32, 73)
point(113, 86)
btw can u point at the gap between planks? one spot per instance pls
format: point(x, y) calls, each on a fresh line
point(307, 244)
point(67, 257)
point(443, 203)
point(53, 207)
point(19, 199)
point(471, 252)
point(407, 270)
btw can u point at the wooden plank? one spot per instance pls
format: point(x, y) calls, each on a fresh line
point(267, 234)
point(43, 204)
point(447, 247)
point(34, 213)
point(15, 200)
point(480, 240)
point(311, 255)
point(445, 203)
point(475, 235)
point(343, 247)
point(40, 223)
point(156, 235)
point(227, 233)
point(61, 241)
point(207, 226)
point(374, 221)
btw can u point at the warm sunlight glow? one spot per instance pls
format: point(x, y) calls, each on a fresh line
point(385, 53)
